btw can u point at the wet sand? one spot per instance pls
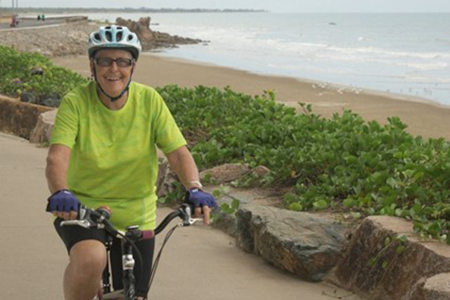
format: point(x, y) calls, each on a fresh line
point(423, 117)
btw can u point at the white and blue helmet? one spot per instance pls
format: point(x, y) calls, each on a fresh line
point(114, 37)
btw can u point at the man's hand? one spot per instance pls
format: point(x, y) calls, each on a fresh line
point(203, 203)
point(64, 204)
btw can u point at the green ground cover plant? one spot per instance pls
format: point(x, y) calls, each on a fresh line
point(33, 78)
point(343, 163)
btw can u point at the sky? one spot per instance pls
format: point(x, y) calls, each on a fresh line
point(320, 6)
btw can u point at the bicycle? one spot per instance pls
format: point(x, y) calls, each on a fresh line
point(99, 218)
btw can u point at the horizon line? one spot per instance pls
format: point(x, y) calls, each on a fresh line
point(8, 8)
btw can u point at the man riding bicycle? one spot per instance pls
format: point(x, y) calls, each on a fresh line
point(103, 152)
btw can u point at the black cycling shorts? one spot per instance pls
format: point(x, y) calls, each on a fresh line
point(74, 234)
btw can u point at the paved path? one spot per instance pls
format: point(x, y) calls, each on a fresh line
point(199, 263)
point(32, 23)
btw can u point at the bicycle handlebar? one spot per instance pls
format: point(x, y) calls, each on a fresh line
point(99, 218)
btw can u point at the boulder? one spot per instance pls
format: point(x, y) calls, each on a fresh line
point(437, 287)
point(42, 132)
point(153, 39)
point(260, 171)
point(301, 243)
point(141, 28)
point(386, 259)
point(28, 97)
point(19, 118)
point(37, 71)
point(224, 173)
point(227, 221)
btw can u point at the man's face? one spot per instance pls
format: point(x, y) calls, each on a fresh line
point(112, 75)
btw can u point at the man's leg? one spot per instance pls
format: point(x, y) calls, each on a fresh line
point(87, 260)
point(84, 271)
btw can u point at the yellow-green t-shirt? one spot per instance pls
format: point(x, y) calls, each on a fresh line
point(113, 160)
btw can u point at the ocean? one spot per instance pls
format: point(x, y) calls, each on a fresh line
point(407, 54)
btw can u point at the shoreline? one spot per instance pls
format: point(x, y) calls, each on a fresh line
point(423, 117)
point(330, 85)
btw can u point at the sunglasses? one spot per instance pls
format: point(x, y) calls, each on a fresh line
point(107, 62)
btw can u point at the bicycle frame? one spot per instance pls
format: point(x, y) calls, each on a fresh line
point(99, 218)
point(128, 263)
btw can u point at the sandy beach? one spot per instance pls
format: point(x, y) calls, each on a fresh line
point(425, 118)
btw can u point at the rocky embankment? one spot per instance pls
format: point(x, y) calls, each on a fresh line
point(71, 38)
point(65, 39)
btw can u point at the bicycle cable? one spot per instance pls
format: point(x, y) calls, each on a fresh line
point(110, 227)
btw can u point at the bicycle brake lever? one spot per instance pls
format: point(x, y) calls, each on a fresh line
point(83, 223)
point(84, 220)
point(192, 221)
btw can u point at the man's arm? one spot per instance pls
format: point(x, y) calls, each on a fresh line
point(183, 164)
point(64, 203)
point(57, 166)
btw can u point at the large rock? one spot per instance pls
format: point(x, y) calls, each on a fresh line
point(437, 287)
point(230, 172)
point(227, 221)
point(300, 243)
point(19, 118)
point(42, 132)
point(224, 173)
point(385, 259)
point(153, 39)
point(141, 28)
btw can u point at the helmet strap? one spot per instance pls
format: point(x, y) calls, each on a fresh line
point(114, 99)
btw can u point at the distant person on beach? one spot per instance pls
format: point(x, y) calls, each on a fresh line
point(14, 21)
point(39, 18)
point(103, 152)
